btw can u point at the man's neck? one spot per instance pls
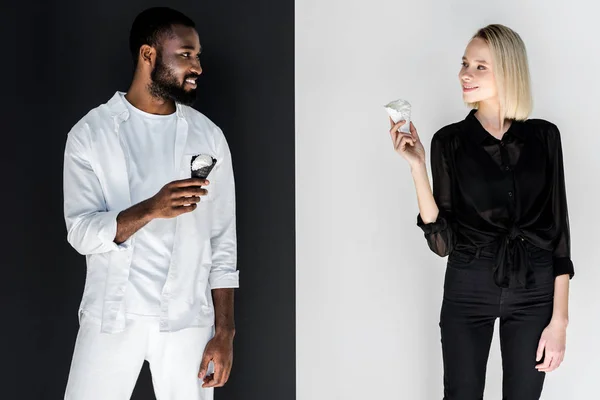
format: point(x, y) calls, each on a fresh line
point(139, 97)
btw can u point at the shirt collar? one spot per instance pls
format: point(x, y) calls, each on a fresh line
point(118, 108)
point(478, 134)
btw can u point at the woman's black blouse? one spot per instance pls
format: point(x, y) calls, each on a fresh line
point(507, 196)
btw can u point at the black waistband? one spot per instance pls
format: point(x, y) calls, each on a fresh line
point(512, 267)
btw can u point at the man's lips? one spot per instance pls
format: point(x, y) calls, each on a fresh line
point(191, 82)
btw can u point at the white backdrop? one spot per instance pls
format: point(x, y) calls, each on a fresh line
point(368, 288)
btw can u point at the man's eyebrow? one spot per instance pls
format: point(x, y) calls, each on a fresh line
point(188, 47)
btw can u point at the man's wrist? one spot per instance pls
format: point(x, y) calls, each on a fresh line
point(146, 210)
point(225, 331)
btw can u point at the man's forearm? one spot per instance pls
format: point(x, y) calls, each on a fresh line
point(223, 302)
point(131, 220)
point(560, 313)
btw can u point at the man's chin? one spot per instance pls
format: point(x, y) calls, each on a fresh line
point(188, 101)
point(187, 98)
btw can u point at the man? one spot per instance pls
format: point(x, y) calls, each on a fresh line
point(160, 246)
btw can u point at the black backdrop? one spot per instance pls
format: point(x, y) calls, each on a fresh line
point(62, 58)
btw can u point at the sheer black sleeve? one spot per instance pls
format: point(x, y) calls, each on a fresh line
point(562, 250)
point(439, 234)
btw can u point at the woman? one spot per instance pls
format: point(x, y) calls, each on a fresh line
point(498, 210)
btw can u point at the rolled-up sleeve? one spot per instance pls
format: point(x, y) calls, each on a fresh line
point(562, 249)
point(439, 234)
point(223, 273)
point(91, 228)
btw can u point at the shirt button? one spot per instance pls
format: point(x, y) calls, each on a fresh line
point(510, 194)
point(507, 168)
point(502, 144)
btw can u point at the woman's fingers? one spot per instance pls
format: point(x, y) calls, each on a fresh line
point(413, 131)
point(397, 136)
point(396, 127)
point(405, 139)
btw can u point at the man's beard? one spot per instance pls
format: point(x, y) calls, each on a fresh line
point(165, 86)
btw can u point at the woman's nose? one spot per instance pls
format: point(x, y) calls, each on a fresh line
point(465, 76)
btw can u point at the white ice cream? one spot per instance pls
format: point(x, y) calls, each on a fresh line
point(201, 161)
point(399, 110)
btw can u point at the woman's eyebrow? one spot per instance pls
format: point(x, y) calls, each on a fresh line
point(477, 61)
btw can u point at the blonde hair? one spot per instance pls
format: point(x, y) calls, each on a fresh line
point(511, 70)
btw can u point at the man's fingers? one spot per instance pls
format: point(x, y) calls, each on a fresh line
point(220, 375)
point(204, 365)
point(190, 182)
point(211, 380)
point(217, 377)
point(182, 201)
point(185, 209)
point(207, 381)
point(188, 191)
point(227, 373)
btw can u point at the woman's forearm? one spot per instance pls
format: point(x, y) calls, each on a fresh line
point(427, 206)
point(560, 312)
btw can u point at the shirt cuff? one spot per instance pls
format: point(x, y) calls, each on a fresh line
point(224, 280)
point(109, 230)
point(563, 266)
point(434, 227)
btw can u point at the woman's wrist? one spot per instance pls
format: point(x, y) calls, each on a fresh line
point(559, 321)
point(418, 169)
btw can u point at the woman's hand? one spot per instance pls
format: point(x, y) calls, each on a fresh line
point(408, 145)
point(552, 347)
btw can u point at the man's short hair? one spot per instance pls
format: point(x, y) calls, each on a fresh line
point(151, 26)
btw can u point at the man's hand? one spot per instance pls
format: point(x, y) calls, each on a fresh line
point(552, 347)
point(219, 350)
point(169, 202)
point(173, 198)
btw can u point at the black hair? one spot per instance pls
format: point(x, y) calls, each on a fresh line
point(150, 26)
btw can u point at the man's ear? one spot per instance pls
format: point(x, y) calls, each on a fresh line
point(147, 55)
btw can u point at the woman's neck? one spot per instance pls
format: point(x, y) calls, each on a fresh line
point(488, 114)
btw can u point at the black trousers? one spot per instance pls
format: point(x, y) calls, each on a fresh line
point(471, 304)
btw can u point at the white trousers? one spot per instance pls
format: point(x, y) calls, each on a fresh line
point(106, 366)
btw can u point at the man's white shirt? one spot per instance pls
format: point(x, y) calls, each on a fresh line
point(117, 156)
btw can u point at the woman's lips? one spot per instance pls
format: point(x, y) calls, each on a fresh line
point(468, 89)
